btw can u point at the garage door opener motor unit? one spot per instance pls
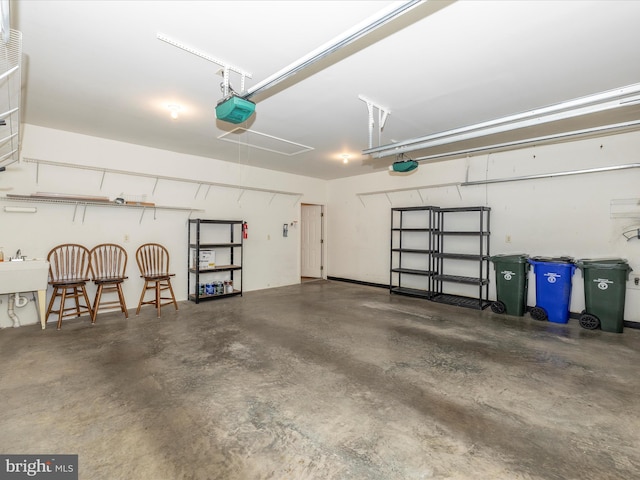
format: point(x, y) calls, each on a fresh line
point(234, 109)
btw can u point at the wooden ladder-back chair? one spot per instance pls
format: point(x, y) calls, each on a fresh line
point(108, 272)
point(153, 262)
point(68, 275)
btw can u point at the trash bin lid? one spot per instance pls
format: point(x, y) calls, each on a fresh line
point(510, 258)
point(563, 259)
point(604, 264)
point(587, 261)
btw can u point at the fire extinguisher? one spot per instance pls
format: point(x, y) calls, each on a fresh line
point(245, 231)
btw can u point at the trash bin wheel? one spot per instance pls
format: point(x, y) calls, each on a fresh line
point(498, 307)
point(538, 313)
point(588, 321)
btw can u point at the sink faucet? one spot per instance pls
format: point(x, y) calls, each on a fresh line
point(18, 253)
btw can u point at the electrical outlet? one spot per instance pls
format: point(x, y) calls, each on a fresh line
point(507, 239)
point(126, 237)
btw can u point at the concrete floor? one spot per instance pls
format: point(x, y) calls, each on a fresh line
point(324, 380)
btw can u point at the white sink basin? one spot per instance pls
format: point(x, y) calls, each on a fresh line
point(25, 276)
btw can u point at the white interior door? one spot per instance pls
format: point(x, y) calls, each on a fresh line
point(311, 238)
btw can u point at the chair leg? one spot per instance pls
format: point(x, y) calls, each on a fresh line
point(144, 290)
point(157, 286)
point(96, 304)
point(53, 298)
point(86, 301)
point(76, 298)
point(173, 297)
point(61, 307)
point(158, 298)
point(123, 305)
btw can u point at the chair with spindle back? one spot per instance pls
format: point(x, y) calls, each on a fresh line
point(68, 275)
point(108, 272)
point(153, 262)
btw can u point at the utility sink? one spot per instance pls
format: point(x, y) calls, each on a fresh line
point(26, 276)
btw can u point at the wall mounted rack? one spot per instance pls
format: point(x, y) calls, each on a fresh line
point(82, 205)
point(157, 178)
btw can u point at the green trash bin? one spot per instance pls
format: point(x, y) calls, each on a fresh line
point(511, 284)
point(604, 292)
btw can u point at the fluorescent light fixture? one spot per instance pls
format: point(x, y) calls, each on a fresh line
point(20, 209)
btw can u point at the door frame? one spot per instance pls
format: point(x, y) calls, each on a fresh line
point(323, 243)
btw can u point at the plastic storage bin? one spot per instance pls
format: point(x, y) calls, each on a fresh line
point(511, 284)
point(553, 288)
point(604, 292)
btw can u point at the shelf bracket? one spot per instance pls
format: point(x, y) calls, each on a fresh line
point(272, 197)
point(631, 234)
point(388, 198)
point(104, 173)
point(420, 195)
point(361, 201)
point(297, 200)
point(144, 209)
point(208, 190)
point(240, 196)
point(197, 191)
point(154, 186)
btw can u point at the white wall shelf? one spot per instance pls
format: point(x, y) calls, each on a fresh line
point(84, 204)
point(157, 178)
point(408, 189)
point(502, 180)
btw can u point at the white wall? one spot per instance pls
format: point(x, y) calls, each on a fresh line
point(567, 215)
point(557, 216)
point(269, 259)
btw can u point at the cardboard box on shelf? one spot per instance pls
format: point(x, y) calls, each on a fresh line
point(207, 259)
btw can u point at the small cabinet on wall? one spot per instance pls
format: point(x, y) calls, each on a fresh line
point(412, 249)
point(215, 259)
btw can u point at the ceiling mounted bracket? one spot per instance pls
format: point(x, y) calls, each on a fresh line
point(227, 67)
point(596, 103)
point(383, 113)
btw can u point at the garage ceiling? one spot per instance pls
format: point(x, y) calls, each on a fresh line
point(98, 68)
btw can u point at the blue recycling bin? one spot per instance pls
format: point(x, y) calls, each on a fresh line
point(553, 288)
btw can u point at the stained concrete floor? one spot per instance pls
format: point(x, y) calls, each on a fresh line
point(324, 380)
